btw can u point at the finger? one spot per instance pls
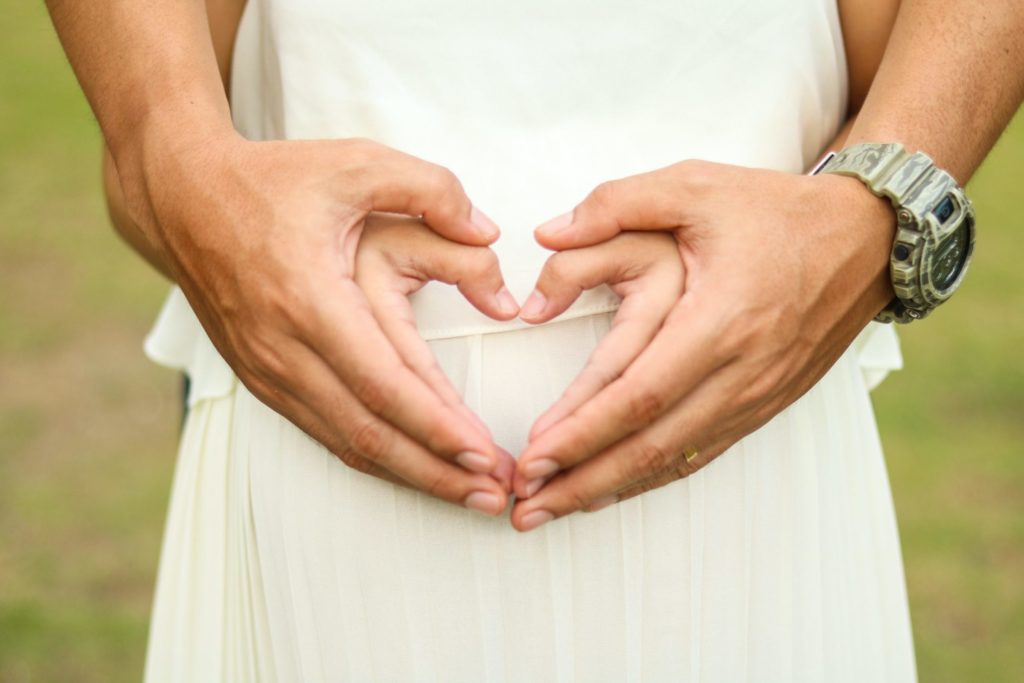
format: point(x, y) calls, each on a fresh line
point(663, 478)
point(728, 415)
point(372, 440)
point(566, 274)
point(474, 270)
point(402, 183)
point(393, 312)
point(668, 449)
point(682, 354)
point(647, 302)
point(524, 488)
point(505, 470)
point(349, 339)
point(283, 400)
point(631, 332)
point(655, 200)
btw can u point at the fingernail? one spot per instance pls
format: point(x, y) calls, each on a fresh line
point(534, 485)
point(601, 503)
point(476, 462)
point(540, 468)
point(556, 224)
point(506, 302)
point(534, 305)
point(482, 501)
point(532, 520)
point(485, 226)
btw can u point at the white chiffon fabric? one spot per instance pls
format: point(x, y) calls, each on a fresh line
point(780, 561)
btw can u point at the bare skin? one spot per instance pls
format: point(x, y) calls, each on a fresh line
point(630, 435)
point(226, 216)
point(950, 79)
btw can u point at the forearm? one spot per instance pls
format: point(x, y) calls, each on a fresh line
point(149, 72)
point(950, 81)
point(222, 17)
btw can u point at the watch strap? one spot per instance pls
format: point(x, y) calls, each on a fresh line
point(909, 181)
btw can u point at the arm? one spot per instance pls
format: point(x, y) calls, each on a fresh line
point(951, 78)
point(223, 17)
point(256, 233)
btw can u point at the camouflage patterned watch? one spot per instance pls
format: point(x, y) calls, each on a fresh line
point(934, 223)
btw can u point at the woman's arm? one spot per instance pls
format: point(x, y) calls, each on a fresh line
point(223, 18)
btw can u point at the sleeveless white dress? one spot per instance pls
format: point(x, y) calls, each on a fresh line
point(780, 561)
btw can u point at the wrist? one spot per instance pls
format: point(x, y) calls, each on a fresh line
point(934, 219)
point(872, 221)
point(163, 149)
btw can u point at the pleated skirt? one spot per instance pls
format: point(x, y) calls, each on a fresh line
point(779, 561)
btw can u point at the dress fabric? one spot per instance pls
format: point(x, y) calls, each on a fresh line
point(780, 561)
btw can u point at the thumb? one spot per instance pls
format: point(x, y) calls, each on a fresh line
point(397, 182)
point(648, 201)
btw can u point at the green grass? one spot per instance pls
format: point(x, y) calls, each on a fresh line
point(88, 426)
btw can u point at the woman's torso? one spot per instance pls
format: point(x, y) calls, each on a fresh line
point(533, 103)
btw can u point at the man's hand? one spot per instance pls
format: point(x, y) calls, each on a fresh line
point(782, 272)
point(262, 238)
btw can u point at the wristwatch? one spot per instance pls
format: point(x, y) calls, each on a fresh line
point(934, 223)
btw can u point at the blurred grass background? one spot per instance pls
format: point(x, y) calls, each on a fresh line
point(88, 427)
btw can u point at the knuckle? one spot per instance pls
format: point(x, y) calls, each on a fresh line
point(650, 458)
point(376, 393)
point(603, 195)
point(603, 374)
point(445, 183)
point(645, 486)
point(361, 149)
point(439, 485)
point(578, 500)
point(558, 267)
point(369, 439)
point(644, 407)
point(694, 172)
point(679, 469)
point(482, 261)
point(355, 461)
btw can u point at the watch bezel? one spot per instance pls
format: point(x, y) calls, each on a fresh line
point(922, 236)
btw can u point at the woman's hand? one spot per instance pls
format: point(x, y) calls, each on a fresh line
point(398, 255)
point(262, 239)
point(782, 272)
point(646, 271)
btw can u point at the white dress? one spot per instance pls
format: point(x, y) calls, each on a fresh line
point(780, 561)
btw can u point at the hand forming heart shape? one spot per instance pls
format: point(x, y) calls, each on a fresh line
point(398, 255)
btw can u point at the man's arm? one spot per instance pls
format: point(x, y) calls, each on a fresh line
point(261, 237)
point(783, 270)
point(951, 80)
point(149, 72)
point(223, 17)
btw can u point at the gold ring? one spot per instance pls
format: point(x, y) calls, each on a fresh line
point(690, 453)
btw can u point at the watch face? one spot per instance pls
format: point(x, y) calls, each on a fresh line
point(950, 257)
